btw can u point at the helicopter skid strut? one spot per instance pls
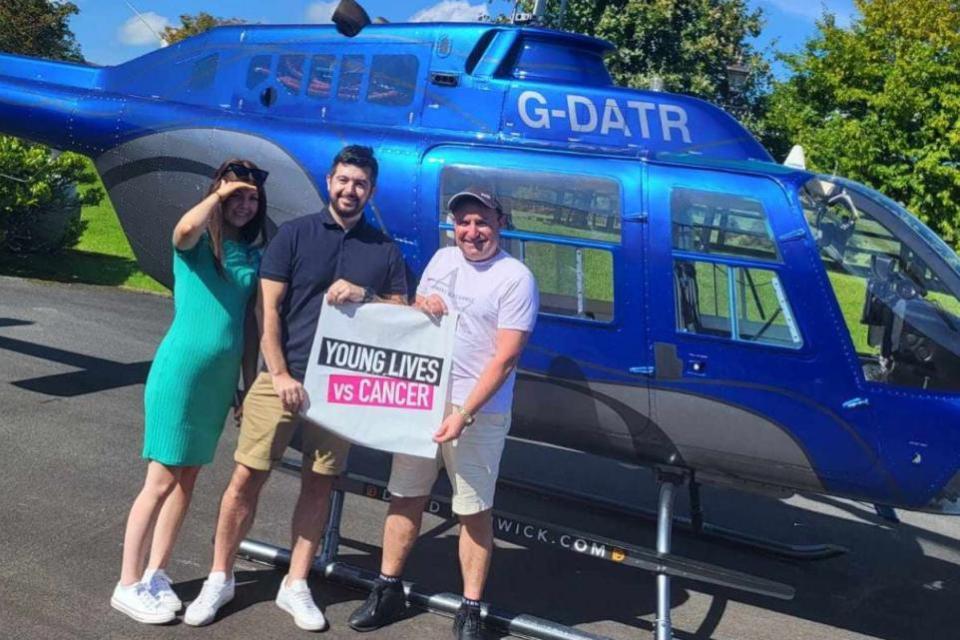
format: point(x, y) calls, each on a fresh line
point(526, 531)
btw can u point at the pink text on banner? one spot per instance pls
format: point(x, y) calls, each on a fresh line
point(379, 392)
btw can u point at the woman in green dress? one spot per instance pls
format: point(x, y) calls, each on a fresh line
point(193, 379)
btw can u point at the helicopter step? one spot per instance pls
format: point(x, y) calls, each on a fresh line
point(525, 531)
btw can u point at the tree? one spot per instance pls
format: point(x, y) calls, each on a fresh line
point(686, 45)
point(193, 25)
point(879, 102)
point(39, 202)
point(38, 28)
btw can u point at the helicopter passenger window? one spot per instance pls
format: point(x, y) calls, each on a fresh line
point(741, 303)
point(321, 76)
point(290, 73)
point(259, 70)
point(552, 204)
point(393, 80)
point(702, 295)
point(721, 224)
point(204, 72)
point(762, 312)
point(351, 76)
point(573, 281)
point(569, 214)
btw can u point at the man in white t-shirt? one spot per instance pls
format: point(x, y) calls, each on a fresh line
point(497, 298)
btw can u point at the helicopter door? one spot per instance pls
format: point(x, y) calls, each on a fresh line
point(751, 379)
point(574, 387)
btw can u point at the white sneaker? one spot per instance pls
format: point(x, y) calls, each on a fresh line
point(296, 600)
point(216, 592)
point(158, 582)
point(137, 602)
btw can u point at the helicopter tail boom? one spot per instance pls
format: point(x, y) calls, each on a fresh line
point(56, 103)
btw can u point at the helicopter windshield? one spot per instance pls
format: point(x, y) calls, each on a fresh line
point(897, 284)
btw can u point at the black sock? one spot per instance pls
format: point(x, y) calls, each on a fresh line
point(468, 603)
point(388, 579)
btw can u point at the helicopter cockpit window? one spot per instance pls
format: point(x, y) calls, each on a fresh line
point(559, 223)
point(393, 80)
point(351, 77)
point(321, 76)
point(290, 73)
point(740, 303)
point(721, 224)
point(204, 72)
point(259, 70)
point(897, 293)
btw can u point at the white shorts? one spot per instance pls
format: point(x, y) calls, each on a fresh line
point(472, 462)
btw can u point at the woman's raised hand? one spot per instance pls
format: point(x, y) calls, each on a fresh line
point(227, 188)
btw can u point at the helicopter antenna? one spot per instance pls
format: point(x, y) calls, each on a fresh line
point(163, 41)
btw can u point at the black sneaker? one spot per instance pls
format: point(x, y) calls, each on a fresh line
point(466, 625)
point(385, 604)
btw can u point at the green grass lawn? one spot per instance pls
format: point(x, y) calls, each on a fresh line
point(103, 256)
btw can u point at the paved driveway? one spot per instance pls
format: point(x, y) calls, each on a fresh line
point(72, 363)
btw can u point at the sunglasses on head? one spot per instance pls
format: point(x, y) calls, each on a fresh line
point(243, 172)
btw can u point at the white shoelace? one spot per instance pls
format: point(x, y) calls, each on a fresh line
point(208, 594)
point(145, 597)
point(160, 583)
point(305, 600)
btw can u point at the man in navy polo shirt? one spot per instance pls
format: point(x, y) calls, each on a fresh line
point(337, 254)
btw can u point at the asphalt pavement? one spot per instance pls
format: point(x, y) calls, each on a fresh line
point(73, 359)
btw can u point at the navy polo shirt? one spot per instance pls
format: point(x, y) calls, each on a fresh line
point(311, 253)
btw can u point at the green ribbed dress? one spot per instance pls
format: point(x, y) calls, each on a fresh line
point(194, 375)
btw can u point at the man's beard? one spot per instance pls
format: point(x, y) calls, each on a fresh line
point(345, 216)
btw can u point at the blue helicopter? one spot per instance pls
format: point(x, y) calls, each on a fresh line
point(705, 310)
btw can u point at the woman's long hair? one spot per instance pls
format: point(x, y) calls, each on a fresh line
point(253, 231)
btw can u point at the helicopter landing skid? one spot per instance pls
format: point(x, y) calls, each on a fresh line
point(526, 531)
point(693, 524)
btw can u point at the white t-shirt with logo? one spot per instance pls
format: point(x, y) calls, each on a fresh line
point(498, 293)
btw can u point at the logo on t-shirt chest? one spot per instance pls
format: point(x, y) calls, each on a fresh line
point(447, 287)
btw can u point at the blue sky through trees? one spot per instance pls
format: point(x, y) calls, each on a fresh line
point(109, 32)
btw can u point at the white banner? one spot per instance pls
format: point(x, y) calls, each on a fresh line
point(379, 374)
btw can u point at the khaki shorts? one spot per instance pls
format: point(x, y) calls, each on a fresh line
point(472, 462)
point(266, 431)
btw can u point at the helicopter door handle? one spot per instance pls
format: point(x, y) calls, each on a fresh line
point(442, 79)
point(856, 403)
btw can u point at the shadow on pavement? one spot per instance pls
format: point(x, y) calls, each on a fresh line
point(96, 374)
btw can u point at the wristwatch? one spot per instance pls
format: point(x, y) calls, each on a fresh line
point(468, 418)
point(368, 294)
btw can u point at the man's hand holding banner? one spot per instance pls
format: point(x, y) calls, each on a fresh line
point(378, 375)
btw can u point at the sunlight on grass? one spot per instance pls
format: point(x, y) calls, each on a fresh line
point(102, 256)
